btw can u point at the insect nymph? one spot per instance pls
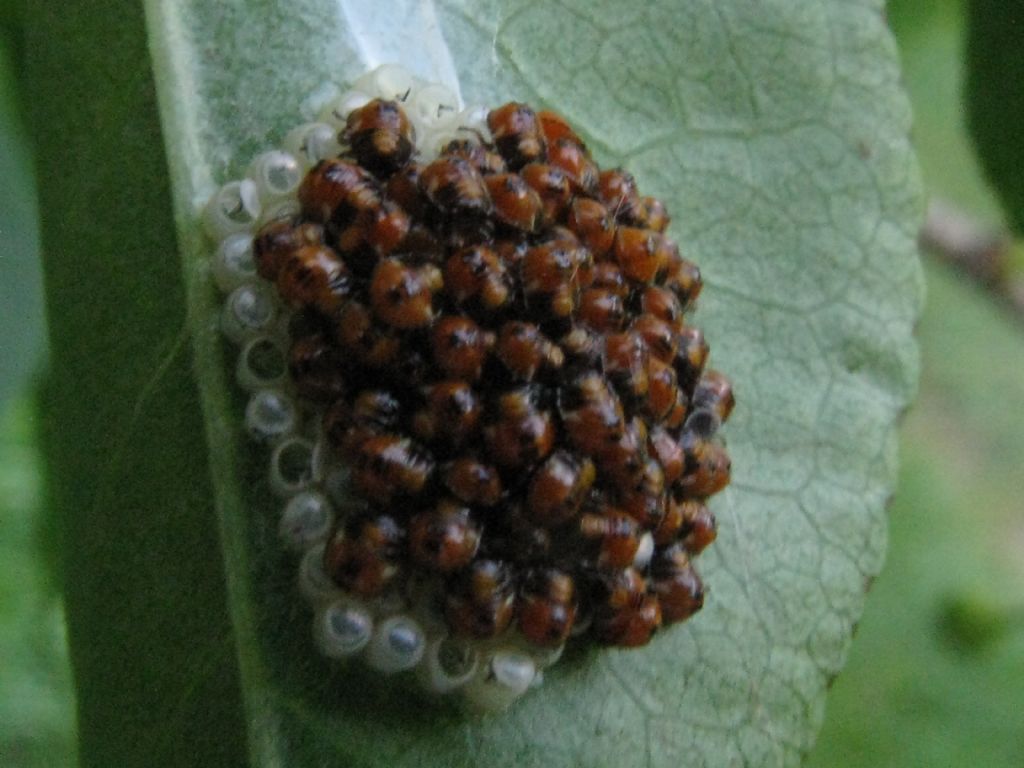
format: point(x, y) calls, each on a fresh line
point(468, 348)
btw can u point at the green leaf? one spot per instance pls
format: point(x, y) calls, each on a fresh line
point(995, 96)
point(954, 544)
point(21, 294)
point(777, 134)
point(36, 726)
point(151, 643)
point(933, 49)
point(958, 499)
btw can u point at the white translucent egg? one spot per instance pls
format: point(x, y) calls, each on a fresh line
point(398, 644)
point(314, 583)
point(433, 106)
point(501, 679)
point(342, 628)
point(233, 264)
point(312, 142)
point(235, 207)
point(276, 174)
point(388, 81)
point(305, 520)
point(336, 112)
point(262, 364)
point(285, 208)
point(249, 310)
point(270, 416)
point(448, 663)
point(471, 123)
point(291, 466)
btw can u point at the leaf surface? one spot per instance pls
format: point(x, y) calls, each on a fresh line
point(776, 132)
point(21, 297)
point(995, 96)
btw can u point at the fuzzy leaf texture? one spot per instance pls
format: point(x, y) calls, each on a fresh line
point(776, 132)
point(995, 96)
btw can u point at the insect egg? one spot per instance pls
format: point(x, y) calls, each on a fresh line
point(276, 174)
point(312, 142)
point(270, 416)
point(233, 264)
point(235, 207)
point(449, 664)
point(504, 678)
point(261, 364)
point(397, 644)
point(250, 310)
point(343, 628)
point(291, 466)
point(489, 421)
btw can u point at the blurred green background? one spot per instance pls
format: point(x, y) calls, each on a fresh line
point(936, 675)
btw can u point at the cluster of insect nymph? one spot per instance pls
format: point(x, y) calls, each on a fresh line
point(489, 423)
